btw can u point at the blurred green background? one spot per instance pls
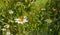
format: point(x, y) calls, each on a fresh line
point(43, 17)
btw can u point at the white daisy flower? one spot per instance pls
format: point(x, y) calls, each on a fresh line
point(21, 20)
point(7, 33)
point(6, 26)
point(10, 11)
point(3, 29)
point(48, 20)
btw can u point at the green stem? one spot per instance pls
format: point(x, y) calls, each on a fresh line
point(3, 33)
point(18, 29)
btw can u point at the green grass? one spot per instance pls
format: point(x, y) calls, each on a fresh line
point(40, 18)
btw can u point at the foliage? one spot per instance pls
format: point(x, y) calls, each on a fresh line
point(29, 17)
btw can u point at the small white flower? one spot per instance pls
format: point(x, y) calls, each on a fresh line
point(21, 20)
point(48, 20)
point(50, 29)
point(2, 19)
point(43, 9)
point(6, 26)
point(53, 9)
point(31, 2)
point(10, 11)
point(3, 29)
point(7, 33)
point(25, 17)
point(18, 3)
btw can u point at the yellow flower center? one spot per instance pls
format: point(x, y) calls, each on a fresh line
point(21, 19)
